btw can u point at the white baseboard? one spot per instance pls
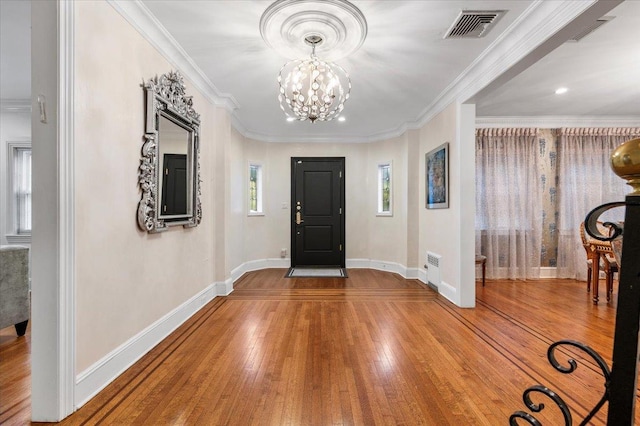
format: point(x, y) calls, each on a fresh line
point(256, 265)
point(422, 275)
point(450, 292)
point(412, 273)
point(99, 375)
point(224, 288)
point(380, 265)
point(548, 272)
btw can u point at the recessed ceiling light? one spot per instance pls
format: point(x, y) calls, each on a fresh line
point(291, 119)
point(561, 90)
point(341, 119)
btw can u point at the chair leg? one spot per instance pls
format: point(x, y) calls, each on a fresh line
point(21, 327)
point(588, 280)
point(596, 290)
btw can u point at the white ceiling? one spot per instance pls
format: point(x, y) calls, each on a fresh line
point(602, 73)
point(401, 72)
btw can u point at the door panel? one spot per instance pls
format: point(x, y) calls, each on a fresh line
point(317, 219)
point(174, 184)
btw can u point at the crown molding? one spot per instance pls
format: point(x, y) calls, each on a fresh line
point(535, 26)
point(15, 105)
point(141, 18)
point(556, 122)
point(306, 139)
point(541, 22)
point(376, 137)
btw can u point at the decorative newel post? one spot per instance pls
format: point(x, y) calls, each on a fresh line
point(625, 162)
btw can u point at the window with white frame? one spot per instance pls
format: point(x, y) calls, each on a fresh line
point(255, 189)
point(385, 199)
point(20, 178)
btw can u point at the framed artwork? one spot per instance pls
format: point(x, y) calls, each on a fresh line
point(437, 177)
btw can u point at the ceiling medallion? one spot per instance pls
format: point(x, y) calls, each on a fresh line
point(313, 89)
point(286, 23)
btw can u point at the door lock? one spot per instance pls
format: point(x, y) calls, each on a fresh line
point(298, 219)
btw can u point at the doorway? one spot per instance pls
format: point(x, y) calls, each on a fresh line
point(318, 211)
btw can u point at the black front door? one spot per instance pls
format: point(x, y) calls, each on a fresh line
point(174, 184)
point(317, 212)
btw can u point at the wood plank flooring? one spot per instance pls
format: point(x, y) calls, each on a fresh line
point(372, 349)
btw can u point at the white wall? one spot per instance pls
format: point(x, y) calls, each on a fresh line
point(127, 279)
point(388, 234)
point(14, 127)
point(368, 237)
point(450, 232)
point(220, 125)
point(236, 205)
point(51, 369)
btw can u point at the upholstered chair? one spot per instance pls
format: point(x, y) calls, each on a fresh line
point(14, 288)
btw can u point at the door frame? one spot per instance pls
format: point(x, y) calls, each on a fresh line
point(292, 218)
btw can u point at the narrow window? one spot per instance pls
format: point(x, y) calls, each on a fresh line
point(22, 190)
point(384, 190)
point(255, 189)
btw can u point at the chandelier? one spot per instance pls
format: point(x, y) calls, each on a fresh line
point(313, 89)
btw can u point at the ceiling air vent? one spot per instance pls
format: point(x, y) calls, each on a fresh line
point(591, 28)
point(474, 23)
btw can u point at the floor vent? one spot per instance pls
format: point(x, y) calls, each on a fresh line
point(591, 28)
point(433, 268)
point(474, 23)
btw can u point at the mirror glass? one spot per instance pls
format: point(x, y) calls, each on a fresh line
point(169, 172)
point(174, 175)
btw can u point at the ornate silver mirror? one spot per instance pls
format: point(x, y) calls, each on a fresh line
point(169, 173)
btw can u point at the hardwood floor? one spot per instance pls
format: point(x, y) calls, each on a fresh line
point(15, 377)
point(370, 349)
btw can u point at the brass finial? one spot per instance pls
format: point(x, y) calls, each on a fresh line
point(625, 162)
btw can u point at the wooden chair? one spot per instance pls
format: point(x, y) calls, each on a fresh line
point(482, 260)
point(610, 267)
point(592, 257)
point(599, 253)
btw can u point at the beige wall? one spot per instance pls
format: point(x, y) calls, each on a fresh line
point(219, 124)
point(367, 235)
point(126, 279)
point(236, 205)
point(450, 232)
point(388, 235)
point(122, 291)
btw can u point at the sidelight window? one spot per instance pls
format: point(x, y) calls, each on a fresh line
point(255, 189)
point(385, 199)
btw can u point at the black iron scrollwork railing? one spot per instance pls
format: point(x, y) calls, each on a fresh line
point(560, 403)
point(591, 223)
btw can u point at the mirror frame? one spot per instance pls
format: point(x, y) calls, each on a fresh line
point(165, 96)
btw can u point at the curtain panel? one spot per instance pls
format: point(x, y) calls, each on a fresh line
point(585, 181)
point(508, 202)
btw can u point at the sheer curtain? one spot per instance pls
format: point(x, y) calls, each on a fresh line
point(585, 181)
point(508, 202)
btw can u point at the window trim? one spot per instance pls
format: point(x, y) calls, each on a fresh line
point(259, 189)
point(13, 235)
point(379, 186)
